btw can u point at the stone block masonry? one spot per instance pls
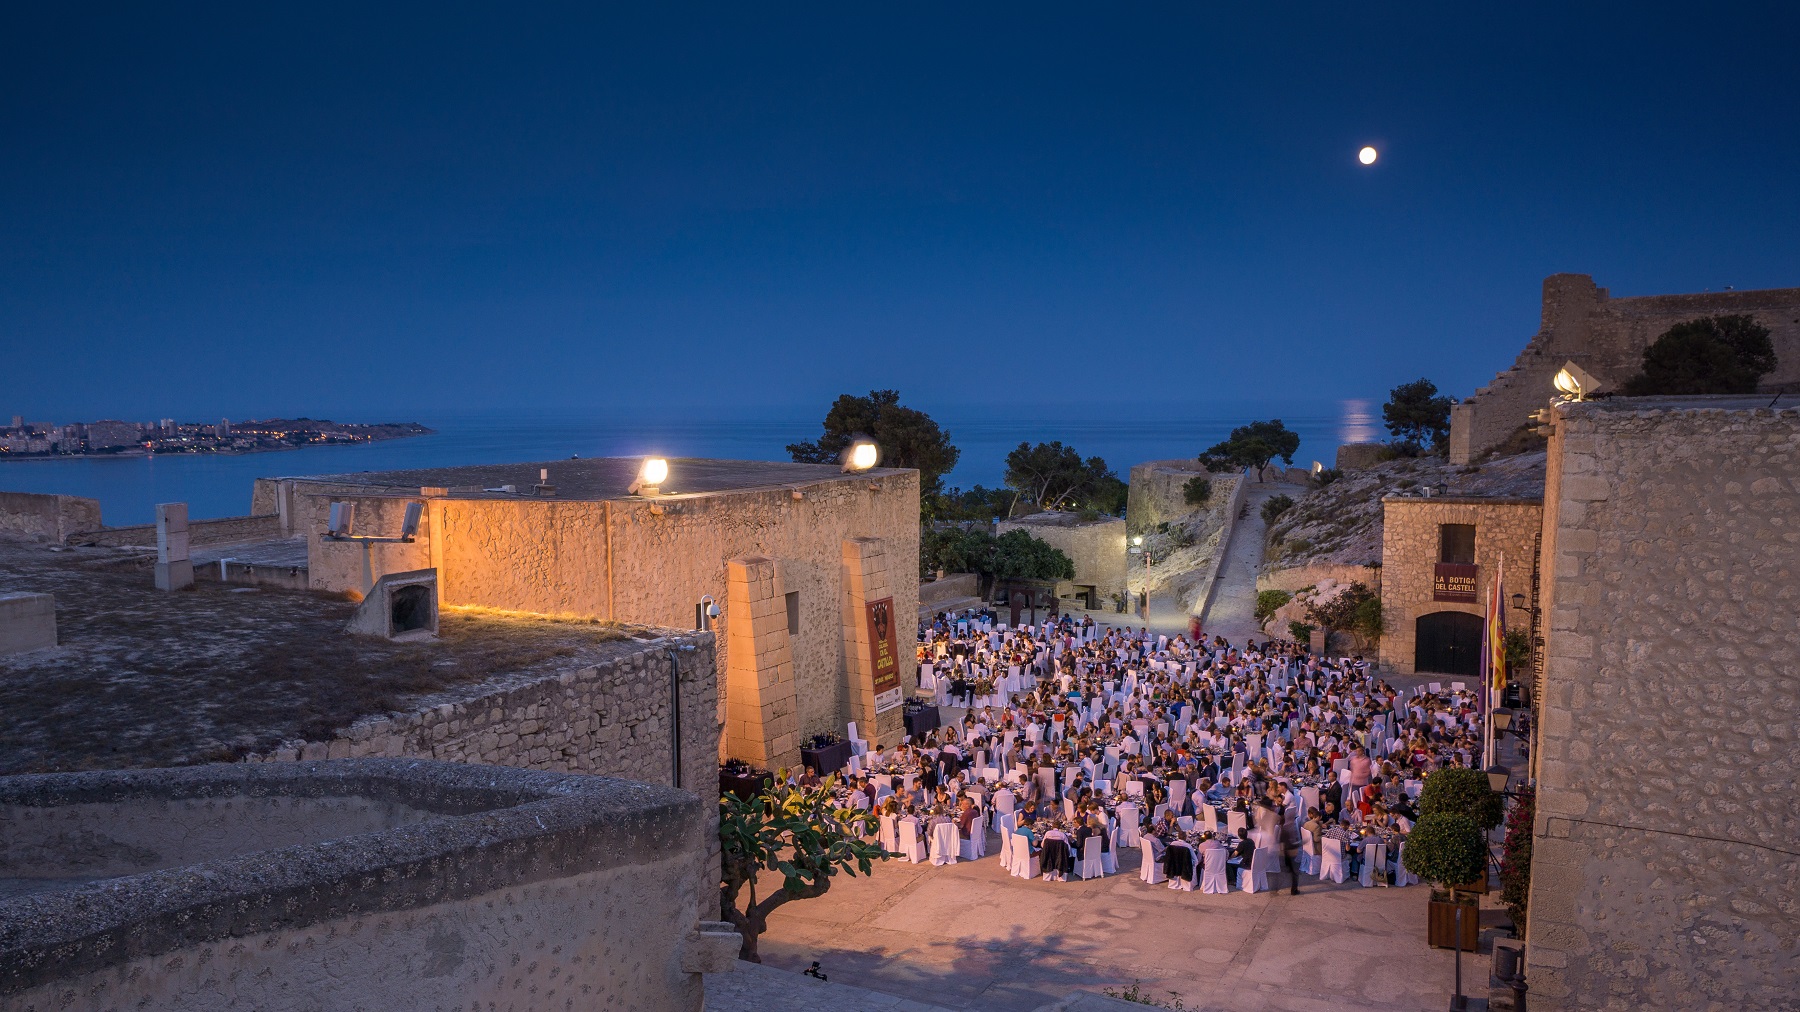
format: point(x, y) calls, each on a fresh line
point(1664, 870)
point(762, 726)
point(54, 518)
point(27, 622)
point(1506, 532)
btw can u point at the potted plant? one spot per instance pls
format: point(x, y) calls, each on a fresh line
point(1445, 848)
point(1462, 791)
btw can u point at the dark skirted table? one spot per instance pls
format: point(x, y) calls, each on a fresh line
point(828, 759)
point(921, 722)
point(746, 785)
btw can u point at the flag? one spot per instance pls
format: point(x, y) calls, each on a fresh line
point(1494, 657)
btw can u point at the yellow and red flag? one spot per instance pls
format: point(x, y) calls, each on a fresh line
point(1493, 661)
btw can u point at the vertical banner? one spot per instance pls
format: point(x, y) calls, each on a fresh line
point(884, 656)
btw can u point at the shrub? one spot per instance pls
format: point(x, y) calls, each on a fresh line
point(1462, 791)
point(1711, 355)
point(1197, 491)
point(1300, 631)
point(1356, 610)
point(1269, 601)
point(1447, 849)
point(1275, 507)
point(1327, 476)
point(1300, 547)
point(1515, 858)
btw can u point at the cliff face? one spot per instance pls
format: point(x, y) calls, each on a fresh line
point(1340, 523)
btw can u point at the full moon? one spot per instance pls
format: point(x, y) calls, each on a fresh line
point(1366, 156)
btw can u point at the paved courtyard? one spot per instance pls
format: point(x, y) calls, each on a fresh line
point(970, 937)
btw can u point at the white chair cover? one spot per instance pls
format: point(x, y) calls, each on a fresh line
point(1332, 865)
point(1213, 869)
point(1128, 825)
point(911, 847)
point(1256, 877)
point(1236, 820)
point(1186, 822)
point(1402, 877)
point(889, 835)
point(1089, 866)
point(1206, 817)
point(944, 843)
point(1178, 796)
point(1374, 869)
point(1025, 863)
point(1150, 871)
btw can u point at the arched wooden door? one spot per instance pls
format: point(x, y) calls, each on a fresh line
point(1448, 643)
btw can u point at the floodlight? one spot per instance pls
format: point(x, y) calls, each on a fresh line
point(1138, 540)
point(861, 454)
point(1567, 383)
point(409, 526)
point(651, 475)
point(342, 515)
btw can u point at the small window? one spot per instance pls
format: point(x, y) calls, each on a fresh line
point(793, 606)
point(1456, 543)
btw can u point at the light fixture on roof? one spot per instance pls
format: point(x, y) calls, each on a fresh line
point(651, 475)
point(861, 454)
point(1575, 382)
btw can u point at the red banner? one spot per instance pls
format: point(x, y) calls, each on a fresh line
point(1454, 581)
point(884, 655)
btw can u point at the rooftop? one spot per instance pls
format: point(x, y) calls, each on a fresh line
point(597, 478)
point(145, 678)
point(1716, 402)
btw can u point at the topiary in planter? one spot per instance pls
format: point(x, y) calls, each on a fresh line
point(1462, 791)
point(1446, 848)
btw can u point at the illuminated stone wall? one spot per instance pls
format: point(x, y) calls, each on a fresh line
point(1664, 872)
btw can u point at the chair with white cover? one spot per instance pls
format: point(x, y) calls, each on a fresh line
point(1332, 866)
point(1006, 852)
point(1090, 865)
point(1236, 820)
point(1374, 867)
point(1109, 857)
point(1256, 877)
point(1213, 869)
point(971, 848)
point(944, 843)
point(1309, 798)
point(1005, 802)
point(889, 835)
point(1128, 825)
point(1178, 796)
point(857, 745)
point(911, 847)
point(1025, 863)
point(1150, 871)
point(1134, 788)
point(1206, 817)
point(1402, 877)
point(1186, 822)
point(1309, 853)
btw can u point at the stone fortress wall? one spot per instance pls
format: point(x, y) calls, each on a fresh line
point(1157, 493)
point(1664, 867)
point(1097, 548)
point(1504, 529)
point(644, 562)
point(32, 517)
point(1607, 337)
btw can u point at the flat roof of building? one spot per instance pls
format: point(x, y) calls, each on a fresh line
point(1708, 402)
point(596, 478)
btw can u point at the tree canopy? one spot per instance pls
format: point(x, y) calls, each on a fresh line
point(1015, 555)
point(1711, 355)
point(1416, 413)
point(907, 438)
point(1252, 445)
point(1055, 477)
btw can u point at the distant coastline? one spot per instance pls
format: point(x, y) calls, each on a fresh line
point(225, 439)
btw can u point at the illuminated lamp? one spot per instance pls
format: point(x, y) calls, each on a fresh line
point(651, 475)
point(861, 454)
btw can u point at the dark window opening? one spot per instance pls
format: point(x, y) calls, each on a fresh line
point(1456, 543)
point(793, 609)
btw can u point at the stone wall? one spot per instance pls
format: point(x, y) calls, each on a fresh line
point(1097, 548)
point(1157, 492)
point(1504, 529)
point(361, 884)
point(201, 533)
point(32, 517)
point(1607, 337)
point(1664, 872)
point(1359, 456)
point(647, 562)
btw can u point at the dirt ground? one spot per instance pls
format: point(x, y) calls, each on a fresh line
point(146, 678)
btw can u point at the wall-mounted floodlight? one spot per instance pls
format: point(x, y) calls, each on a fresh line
point(1576, 383)
point(343, 514)
point(337, 527)
point(1567, 383)
point(861, 454)
point(651, 475)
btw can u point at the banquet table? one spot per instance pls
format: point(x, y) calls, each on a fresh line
point(922, 721)
point(828, 759)
point(745, 785)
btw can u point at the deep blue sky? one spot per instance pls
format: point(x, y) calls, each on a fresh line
point(367, 213)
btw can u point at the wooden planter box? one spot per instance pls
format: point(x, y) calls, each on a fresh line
point(1441, 925)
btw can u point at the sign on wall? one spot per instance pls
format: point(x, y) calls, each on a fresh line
point(884, 654)
point(1453, 581)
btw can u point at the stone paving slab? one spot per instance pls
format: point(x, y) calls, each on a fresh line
point(970, 937)
point(754, 987)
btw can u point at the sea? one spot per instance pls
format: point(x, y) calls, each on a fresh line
point(219, 485)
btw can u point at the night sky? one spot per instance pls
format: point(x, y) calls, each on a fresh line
point(373, 214)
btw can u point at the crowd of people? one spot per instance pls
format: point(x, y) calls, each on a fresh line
point(1219, 764)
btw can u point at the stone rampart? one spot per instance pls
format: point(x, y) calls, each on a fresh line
point(1664, 872)
point(1157, 492)
point(1582, 323)
point(201, 533)
point(32, 517)
point(361, 884)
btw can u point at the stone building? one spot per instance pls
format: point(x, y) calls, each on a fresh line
point(1607, 337)
point(1157, 492)
point(1096, 547)
point(1439, 555)
point(1664, 873)
point(797, 557)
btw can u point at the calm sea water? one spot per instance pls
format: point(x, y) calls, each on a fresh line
point(219, 485)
